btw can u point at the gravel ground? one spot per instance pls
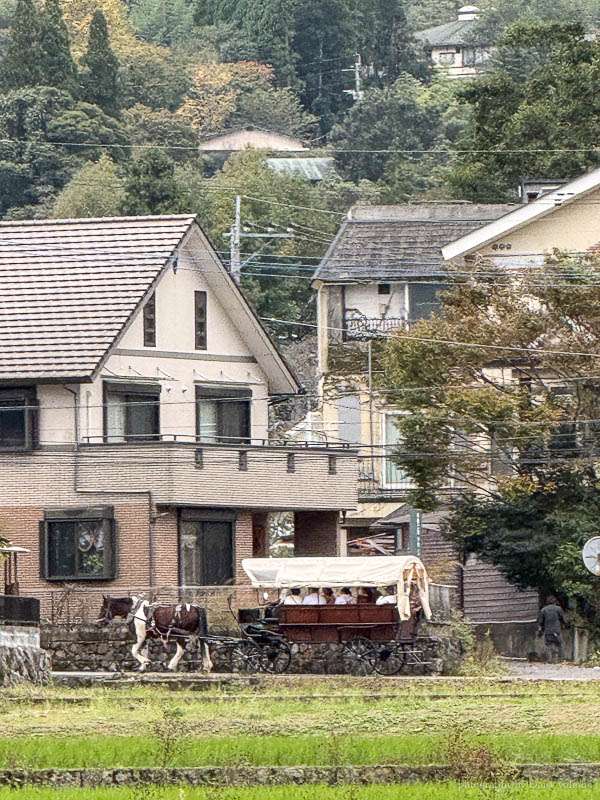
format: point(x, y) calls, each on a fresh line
point(551, 672)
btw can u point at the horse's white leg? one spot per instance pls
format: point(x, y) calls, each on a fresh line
point(173, 663)
point(140, 632)
point(207, 664)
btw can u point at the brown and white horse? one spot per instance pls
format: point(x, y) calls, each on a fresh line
point(168, 623)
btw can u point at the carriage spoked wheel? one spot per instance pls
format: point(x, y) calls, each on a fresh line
point(390, 658)
point(245, 657)
point(275, 656)
point(359, 656)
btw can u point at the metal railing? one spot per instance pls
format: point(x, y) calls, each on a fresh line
point(223, 443)
point(360, 327)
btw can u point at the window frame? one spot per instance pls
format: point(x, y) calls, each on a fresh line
point(149, 321)
point(405, 483)
point(200, 320)
point(100, 515)
point(25, 397)
point(130, 390)
point(232, 394)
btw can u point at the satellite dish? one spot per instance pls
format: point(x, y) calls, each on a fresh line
point(591, 555)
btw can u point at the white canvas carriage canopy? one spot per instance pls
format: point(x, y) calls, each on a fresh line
point(339, 571)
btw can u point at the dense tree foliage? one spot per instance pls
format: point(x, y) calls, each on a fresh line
point(95, 190)
point(152, 187)
point(551, 130)
point(100, 75)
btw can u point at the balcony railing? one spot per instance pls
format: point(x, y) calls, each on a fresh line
point(357, 326)
point(379, 478)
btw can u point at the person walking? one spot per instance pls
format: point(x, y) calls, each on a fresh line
point(551, 621)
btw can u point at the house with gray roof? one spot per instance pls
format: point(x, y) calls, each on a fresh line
point(452, 45)
point(135, 387)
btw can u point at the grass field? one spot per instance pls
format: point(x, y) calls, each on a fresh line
point(333, 750)
point(424, 791)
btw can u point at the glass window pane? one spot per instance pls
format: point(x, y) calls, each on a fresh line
point(150, 322)
point(208, 423)
point(393, 474)
point(115, 417)
point(90, 542)
point(423, 299)
point(200, 320)
point(141, 416)
point(61, 549)
point(13, 427)
point(235, 421)
point(218, 553)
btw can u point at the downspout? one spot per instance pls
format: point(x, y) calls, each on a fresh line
point(145, 492)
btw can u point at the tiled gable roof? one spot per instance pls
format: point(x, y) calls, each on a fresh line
point(68, 287)
point(398, 242)
point(450, 33)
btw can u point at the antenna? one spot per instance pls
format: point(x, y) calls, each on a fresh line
point(591, 555)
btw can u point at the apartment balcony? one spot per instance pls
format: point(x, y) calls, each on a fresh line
point(380, 480)
point(357, 326)
point(257, 474)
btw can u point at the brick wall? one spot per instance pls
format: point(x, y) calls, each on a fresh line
point(316, 533)
point(243, 544)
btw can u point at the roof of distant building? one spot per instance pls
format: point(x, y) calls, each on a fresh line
point(378, 243)
point(457, 32)
point(313, 169)
point(251, 136)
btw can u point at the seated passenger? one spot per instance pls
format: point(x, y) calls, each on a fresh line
point(365, 595)
point(389, 598)
point(293, 598)
point(328, 596)
point(344, 598)
point(313, 598)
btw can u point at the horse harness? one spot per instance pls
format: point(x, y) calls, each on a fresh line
point(154, 632)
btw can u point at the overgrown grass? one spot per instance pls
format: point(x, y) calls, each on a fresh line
point(332, 749)
point(424, 791)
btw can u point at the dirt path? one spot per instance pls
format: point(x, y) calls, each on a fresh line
point(551, 672)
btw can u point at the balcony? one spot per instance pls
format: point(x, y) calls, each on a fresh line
point(357, 326)
point(379, 480)
point(256, 475)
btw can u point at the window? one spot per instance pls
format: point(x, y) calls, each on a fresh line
point(393, 474)
point(78, 544)
point(150, 322)
point(475, 56)
point(131, 412)
point(200, 320)
point(223, 414)
point(206, 548)
point(18, 419)
point(423, 299)
point(447, 57)
point(383, 288)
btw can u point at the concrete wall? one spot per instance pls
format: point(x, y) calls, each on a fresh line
point(19, 636)
point(520, 640)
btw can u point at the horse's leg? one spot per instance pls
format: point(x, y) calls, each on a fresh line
point(140, 632)
point(173, 663)
point(207, 664)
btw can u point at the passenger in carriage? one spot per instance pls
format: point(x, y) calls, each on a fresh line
point(328, 596)
point(389, 598)
point(313, 598)
point(366, 595)
point(294, 598)
point(344, 598)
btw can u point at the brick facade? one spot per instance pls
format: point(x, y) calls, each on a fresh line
point(317, 533)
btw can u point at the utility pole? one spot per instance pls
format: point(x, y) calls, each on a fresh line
point(237, 233)
point(235, 265)
point(356, 93)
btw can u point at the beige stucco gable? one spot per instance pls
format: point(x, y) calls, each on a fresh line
point(571, 227)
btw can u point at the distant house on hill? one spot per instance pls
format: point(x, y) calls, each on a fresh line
point(251, 136)
point(452, 48)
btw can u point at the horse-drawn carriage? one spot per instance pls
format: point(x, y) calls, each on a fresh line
point(380, 638)
point(372, 637)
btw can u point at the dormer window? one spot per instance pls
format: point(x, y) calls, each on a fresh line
point(18, 419)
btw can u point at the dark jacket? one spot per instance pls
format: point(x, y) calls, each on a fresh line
point(551, 619)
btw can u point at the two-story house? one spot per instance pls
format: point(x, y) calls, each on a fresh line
point(383, 271)
point(452, 48)
point(135, 386)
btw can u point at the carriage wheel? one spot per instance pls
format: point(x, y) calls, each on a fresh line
point(245, 657)
point(275, 656)
point(390, 658)
point(359, 656)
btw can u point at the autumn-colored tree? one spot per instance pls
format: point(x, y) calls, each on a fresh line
point(216, 88)
point(78, 16)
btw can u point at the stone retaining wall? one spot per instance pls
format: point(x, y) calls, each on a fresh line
point(97, 649)
point(260, 776)
point(21, 658)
